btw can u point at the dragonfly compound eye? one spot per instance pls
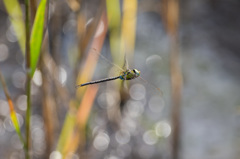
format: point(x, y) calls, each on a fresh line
point(136, 72)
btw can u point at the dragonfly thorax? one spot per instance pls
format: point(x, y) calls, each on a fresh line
point(130, 74)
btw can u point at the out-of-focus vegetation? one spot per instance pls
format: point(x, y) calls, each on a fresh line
point(187, 49)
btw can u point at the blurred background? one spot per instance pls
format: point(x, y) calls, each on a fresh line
point(186, 104)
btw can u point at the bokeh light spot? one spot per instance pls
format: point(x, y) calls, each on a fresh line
point(129, 124)
point(108, 99)
point(152, 60)
point(10, 34)
point(37, 78)
point(137, 91)
point(101, 141)
point(55, 155)
point(150, 137)
point(62, 76)
point(22, 102)
point(122, 136)
point(19, 79)
point(8, 124)
point(3, 52)
point(163, 129)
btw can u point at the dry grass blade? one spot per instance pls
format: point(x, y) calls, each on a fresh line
point(72, 136)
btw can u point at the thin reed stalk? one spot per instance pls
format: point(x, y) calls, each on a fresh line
point(28, 77)
point(170, 12)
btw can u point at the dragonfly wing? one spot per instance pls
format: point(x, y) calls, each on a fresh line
point(156, 89)
point(116, 69)
point(125, 64)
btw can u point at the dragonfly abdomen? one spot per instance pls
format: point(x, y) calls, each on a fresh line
point(98, 81)
point(126, 75)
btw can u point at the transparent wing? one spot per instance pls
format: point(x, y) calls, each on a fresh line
point(105, 67)
point(125, 65)
point(106, 60)
point(117, 70)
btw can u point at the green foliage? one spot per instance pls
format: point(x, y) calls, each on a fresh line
point(16, 17)
point(37, 35)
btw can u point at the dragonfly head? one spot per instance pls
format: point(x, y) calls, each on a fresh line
point(136, 72)
point(130, 74)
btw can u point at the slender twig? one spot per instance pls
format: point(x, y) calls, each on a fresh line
point(28, 82)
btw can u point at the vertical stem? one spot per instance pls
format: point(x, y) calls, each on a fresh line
point(176, 85)
point(28, 82)
point(28, 116)
point(171, 19)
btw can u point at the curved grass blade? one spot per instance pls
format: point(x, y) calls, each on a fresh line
point(76, 135)
point(37, 36)
point(12, 110)
point(16, 17)
point(73, 132)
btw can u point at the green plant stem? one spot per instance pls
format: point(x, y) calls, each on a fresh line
point(28, 116)
point(28, 82)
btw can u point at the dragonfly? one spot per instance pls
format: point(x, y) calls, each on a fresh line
point(129, 74)
point(126, 74)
